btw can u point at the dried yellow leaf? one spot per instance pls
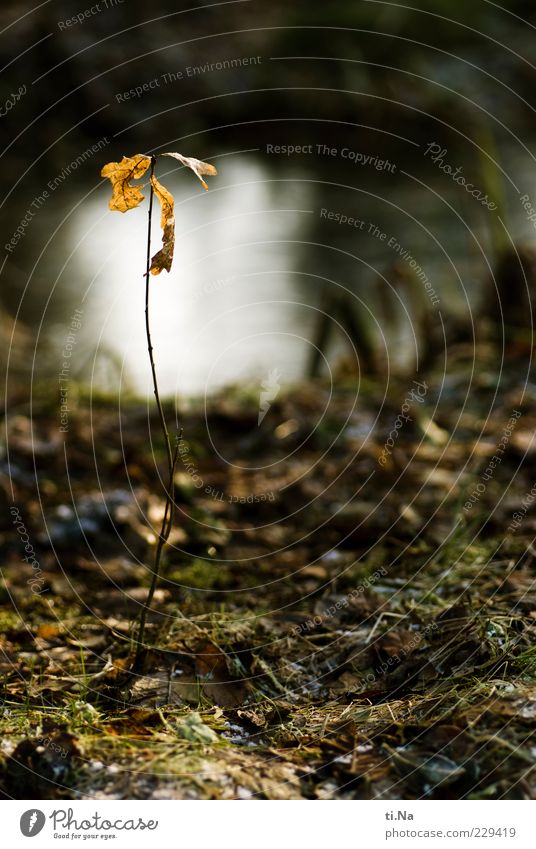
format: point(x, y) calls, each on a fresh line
point(163, 259)
point(196, 165)
point(165, 200)
point(125, 196)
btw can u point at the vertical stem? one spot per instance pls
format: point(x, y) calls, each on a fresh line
point(148, 326)
point(169, 510)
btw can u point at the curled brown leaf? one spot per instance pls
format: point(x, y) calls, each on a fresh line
point(163, 259)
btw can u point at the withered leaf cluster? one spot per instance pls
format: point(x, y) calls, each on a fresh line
point(126, 196)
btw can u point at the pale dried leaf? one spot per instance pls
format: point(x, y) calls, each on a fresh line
point(196, 165)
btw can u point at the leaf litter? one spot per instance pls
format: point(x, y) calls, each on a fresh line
point(363, 653)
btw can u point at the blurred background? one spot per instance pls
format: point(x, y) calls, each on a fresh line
point(337, 233)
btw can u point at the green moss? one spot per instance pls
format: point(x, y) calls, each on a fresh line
point(203, 575)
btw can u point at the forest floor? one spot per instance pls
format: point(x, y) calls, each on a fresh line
point(340, 617)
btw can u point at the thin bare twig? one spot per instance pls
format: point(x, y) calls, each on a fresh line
point(172, 455)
